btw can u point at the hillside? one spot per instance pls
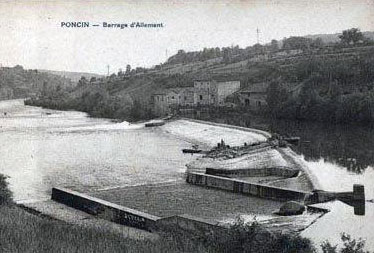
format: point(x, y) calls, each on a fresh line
point(16, 82)
point(73, 76)
point(307, 71)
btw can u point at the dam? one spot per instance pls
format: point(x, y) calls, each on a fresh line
point(144, 169)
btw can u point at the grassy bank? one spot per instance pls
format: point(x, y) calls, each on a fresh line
point(21, 231)
point(25, 232)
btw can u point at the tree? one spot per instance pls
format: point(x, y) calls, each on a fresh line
point(297, 43)
point(258, 48)
point(45, 88)
point(93, 79)
point(226, 55)
point(217, 51)
point(274, 45)
point(128, 69)
point(317, 43)
point(351, 36)
point(276, 96)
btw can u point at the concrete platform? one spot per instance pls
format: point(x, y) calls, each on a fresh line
point(181, 198)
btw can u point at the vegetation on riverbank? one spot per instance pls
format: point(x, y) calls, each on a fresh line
point(338, 90)
point(17, 82)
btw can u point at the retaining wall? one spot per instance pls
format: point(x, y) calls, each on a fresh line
point(134, 218)
point(254, 172)
point(247, 129)
point(243, 187)
point(191, 224)
point(104, 209)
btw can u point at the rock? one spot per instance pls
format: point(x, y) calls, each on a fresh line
point(291, 208)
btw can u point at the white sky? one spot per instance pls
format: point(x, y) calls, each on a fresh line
point(30, 32)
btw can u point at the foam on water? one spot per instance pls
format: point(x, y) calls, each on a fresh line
point(44, 148)
point(334, 177)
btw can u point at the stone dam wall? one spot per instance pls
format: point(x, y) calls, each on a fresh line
point(190, 225)
point(131, 217)
point(254, 172)
point(246, 188)
point(104, 209)
point(246, 129)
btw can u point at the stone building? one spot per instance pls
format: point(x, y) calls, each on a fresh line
point(169, 100)
point(160, 103)
point(204, 93)
point(213, 93)
point(254, 96)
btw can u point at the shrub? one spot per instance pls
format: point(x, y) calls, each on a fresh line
point(5, 193)
point(350, 245)
point(252, 237)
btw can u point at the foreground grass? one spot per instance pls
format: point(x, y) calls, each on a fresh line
point(21, 231)
point(24, 232)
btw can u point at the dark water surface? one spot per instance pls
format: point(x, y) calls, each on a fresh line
point(340, 155)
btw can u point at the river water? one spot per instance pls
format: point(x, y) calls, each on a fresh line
point(339, 156)
point(42, 148)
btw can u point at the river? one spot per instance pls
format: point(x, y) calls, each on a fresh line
point(42, 148)
point(339, 156)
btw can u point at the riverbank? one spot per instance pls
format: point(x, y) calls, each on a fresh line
point(22, 231)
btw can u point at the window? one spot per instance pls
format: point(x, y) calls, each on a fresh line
point(172, 97)
point(246, 102)
point(185, 98)
point(201, 97)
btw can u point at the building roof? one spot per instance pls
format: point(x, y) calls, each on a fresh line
point(217, 80)
point(203, 80)
point(175, 90)
point(179, 89)
point(256, 88)
point(159, 92)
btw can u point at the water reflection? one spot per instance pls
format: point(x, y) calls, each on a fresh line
point(349, 146)
point(359, 208)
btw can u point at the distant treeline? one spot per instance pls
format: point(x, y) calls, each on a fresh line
point(349, 37)
point(17, 82)
point(128, 99)
point(96, 100)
